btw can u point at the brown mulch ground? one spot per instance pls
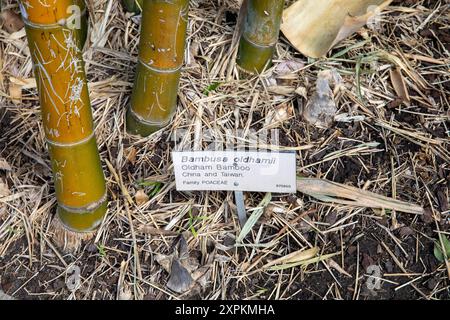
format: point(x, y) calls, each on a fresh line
point(388, 147)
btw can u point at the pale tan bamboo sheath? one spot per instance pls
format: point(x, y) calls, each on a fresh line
point(66, 113)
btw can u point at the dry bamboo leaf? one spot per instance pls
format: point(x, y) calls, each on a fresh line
point(278, 115)
point(426, 59)
point(304, 262)
point(315, 26)
point(29, 83)
point(202, 275)
point(302, 92)
point(17, 85)
point(190, 263)
point(403, 65)
point(289, 66)
point(131, 155)
point(181, 248)
point(184, 270)
point(15, 93)
point(329, 191)
point(4, 165)
point(11, 21)
point(281, 90)
point(180, 279)
point(294, 257)
point(4, 190)
point(337, 267)
point(253, 219)
point(398, 82)
point(156, 231)
point(141, 197)
point(164, 261)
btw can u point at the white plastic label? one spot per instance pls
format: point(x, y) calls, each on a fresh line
point(235, 171)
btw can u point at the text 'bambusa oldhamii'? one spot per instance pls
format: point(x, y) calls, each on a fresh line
point(260, 33)
point(161, 55)
point(55, 40)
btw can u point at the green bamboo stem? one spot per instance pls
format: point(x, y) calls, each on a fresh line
point(133, 5)
point(83, 31)
point(161, 55)
point(260, 34)
point(66, 114)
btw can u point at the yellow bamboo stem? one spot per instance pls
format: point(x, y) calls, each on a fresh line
point(69, 13)
point(260, 34)
point(161, 55)
point(66, 113)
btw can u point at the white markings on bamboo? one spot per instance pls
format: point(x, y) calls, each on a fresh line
point(70, 63)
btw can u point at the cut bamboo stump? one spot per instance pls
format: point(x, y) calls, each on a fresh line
point(260, 31)
point(66, 112)
point(161, 56)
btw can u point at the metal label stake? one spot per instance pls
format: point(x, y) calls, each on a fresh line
point(242, 213)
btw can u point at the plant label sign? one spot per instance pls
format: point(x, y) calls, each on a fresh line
point(235, 171)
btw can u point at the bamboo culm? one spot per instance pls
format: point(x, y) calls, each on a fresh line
point(133, 5)
point(260, 34)
point(161, 55)
point(55, 47)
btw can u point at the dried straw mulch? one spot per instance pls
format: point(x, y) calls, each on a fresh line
point(388, 147)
